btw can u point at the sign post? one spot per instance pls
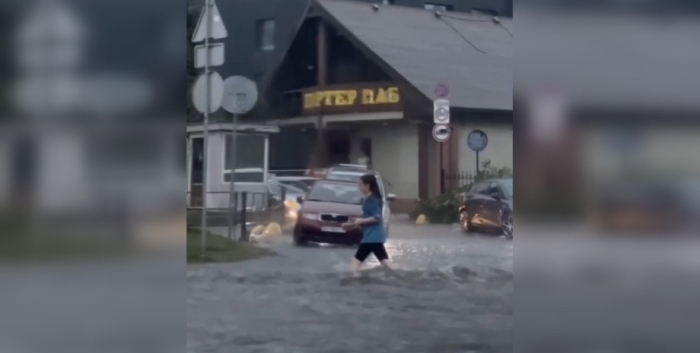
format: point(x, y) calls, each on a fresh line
point(240, 96)
point(477, 141)
point(441, 119)
point(206, 93)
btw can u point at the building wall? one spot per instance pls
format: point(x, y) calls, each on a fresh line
point(499, 149)
point(394, 156)
point(218, 190)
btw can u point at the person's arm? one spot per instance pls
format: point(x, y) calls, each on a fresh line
point(371, 213)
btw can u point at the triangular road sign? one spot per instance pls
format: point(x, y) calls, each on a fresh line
point(218, 30)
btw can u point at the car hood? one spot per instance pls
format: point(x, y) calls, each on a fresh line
point(328, 207)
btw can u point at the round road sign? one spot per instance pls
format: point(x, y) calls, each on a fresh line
point(441, 133)
point(216, 92)
point(240, 95)
point(477, 140)
point(442, 90)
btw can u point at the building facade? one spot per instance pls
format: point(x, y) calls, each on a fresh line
point(357, 83)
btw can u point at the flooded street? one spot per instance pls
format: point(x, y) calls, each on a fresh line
point(452, 294)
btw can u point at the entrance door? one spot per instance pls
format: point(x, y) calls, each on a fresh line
point(338, 143)
point(196, 171)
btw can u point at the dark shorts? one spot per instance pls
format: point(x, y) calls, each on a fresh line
point(371, 248)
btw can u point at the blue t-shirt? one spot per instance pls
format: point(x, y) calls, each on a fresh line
point(373, 233)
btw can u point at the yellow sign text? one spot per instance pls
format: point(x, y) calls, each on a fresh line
point(339, 98)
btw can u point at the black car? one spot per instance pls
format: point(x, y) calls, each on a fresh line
point(488, 205)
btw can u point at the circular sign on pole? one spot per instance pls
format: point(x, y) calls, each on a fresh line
point(240, 95)
point(441, 111)
point(216, 92)
point(441, 133)
point(442, 90)
point(477, 140)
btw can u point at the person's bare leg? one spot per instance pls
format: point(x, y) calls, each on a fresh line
point(355, 267)
point(388, 264)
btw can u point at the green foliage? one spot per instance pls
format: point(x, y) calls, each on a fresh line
point(443, 209)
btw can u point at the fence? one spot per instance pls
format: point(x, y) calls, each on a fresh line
point(252, 208)
point(457, 179)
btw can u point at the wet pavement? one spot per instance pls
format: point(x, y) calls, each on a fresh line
point(452, 293)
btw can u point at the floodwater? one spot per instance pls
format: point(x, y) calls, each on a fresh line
point(452, 293)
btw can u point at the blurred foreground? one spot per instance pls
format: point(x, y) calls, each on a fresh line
point(608, 177)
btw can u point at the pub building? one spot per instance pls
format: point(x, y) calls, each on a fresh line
point(357, 86)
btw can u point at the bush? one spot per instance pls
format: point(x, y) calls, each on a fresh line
point(442, 209)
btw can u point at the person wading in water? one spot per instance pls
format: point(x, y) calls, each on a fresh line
point(372, 224)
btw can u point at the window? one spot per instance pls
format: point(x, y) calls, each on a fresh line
point(266, 34)
point(438, 7)
point(479, 188)
point(250, 158)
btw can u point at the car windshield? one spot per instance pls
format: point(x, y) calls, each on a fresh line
point(507, 187)
point(335, 193)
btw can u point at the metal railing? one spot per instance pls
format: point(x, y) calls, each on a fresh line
point(260, 208)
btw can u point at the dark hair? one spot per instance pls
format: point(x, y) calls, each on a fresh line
point(371, 180)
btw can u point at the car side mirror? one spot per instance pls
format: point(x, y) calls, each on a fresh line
point(497, 195)
point(300, 200)
point(390, 197)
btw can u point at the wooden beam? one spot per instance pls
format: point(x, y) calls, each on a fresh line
point(322, 50)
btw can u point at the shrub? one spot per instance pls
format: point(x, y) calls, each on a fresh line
point(442, 209)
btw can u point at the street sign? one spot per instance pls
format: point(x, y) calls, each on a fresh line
point(477, 140)
point(216, 92)
point(216, 55)
point(442, 90)
point(441, 133)
point(441, 111)
point(240, 95)
point(218, 30)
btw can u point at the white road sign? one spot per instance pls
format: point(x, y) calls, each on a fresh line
point(218, 30)
point(216, 92)
point(441, 111)
point(216, 55)
point(240, 95)
point(441, 133)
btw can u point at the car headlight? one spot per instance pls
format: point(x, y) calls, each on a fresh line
point(291, 205)
point(309, 216)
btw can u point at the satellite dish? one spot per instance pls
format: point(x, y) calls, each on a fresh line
point(240, 95)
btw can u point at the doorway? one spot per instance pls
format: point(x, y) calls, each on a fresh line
point(338, 147)
point(196, 171)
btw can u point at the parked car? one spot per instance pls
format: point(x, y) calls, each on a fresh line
point(488, 205)
point(301, 182)
point(328, 205)
point(291, 192)
point(352, 173)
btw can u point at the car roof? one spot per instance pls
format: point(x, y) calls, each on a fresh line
point(292, 178)
point(356, 166)
point(494, 180)
point(335, 182)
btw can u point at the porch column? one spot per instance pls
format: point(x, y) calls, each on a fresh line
point(319, 145)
